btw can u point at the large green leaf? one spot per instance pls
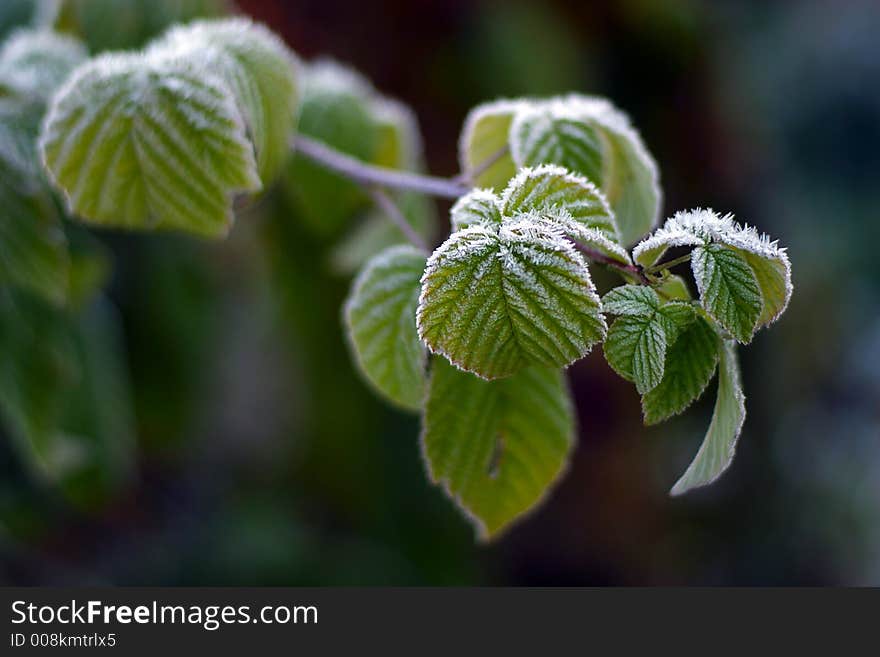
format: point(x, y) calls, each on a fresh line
point(483, 137)
point(33, 251)
point(719, 444)
point(260, 71)
point(497, 446)
point(380, 315)
point(690, 364)
point(728, 289)
point(145, 142)
point(33, 63)
point(589, 136)
point(498, 299)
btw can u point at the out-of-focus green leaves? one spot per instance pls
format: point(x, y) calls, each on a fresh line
point(64, 394)
point(33, 63)
point(34, 252)
point(341, 109)
point(483, 150)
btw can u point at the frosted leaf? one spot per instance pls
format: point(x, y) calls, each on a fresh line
point(380, 315)
point(631, 300)
point(483, 137)
point(479, 206)
point(589, 136)
point(497, 299)
point(497, 447)
point(550, 189)
point(33, 63)
point(773, 273)
point(728, 289)
point(638, 339)
point(137, 142)
point(257, 67)
point(719, 445)
point(690, 364)
point(33, 248)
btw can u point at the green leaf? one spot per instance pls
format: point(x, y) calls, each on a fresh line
point(484, 136)
point(591, 137)
point(140, 142)
point(552, 190)
point(690, 364)
point(636, 349)
point(773, 274)
point(257, 67)
point(639, 300)
point(380, 315)
point(34, 251)
point(33, 63)
point(719, 445)
point(728, 289)
point(674, 287)
point(477, 207)
point(497, 447)
point(496, 300)
point(64, 395)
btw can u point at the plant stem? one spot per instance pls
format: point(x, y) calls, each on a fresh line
point(631, 270)
point(387, 205)
point(669, 264)
point(370, 175)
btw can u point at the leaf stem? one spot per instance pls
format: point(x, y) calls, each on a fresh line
point(668, 264)
point(635, 271)
point(387, 205)
point(370, 175)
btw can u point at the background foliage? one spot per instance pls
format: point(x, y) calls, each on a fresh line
point(261, 456)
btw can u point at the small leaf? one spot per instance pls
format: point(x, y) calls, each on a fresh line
point(257, 67)
point(553, 190)
point(140, 143)
point(477, 207)
point(631, 300)
point(674, 287)
point(676, 315)
point(33, 63)
point(690, 364)
point(773, 273)
point(495, 300)
point(497, 447)
point(484, 136)
point(719, 445)
point(380, 314)
point(636, 349)
point(728, 289)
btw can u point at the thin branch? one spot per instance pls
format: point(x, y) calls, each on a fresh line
point(480, 169)
point(669, 264)
point(633, 270)
point(387, 205)
point(367, 174)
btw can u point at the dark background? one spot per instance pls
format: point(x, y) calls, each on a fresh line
point(263, 459)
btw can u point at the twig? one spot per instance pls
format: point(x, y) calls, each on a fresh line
point(669, 264)
point(633, 270)
point(389, 207)
point(367, 174)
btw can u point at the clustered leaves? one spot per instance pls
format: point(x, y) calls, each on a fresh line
point(475, 335)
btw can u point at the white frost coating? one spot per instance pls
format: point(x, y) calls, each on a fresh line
point(704, 226)
point(34, 62)
point(329, 74)
point(479, 206)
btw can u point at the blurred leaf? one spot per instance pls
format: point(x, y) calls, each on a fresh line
point(497, 446)
point(674, 287)
point(259, 69)
point(64, 393)
point(719, 445)
point(34, 252)
point(144, 142)
point(485, 135)
point(380, 315)
point(498, 299)
point(33, 63)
